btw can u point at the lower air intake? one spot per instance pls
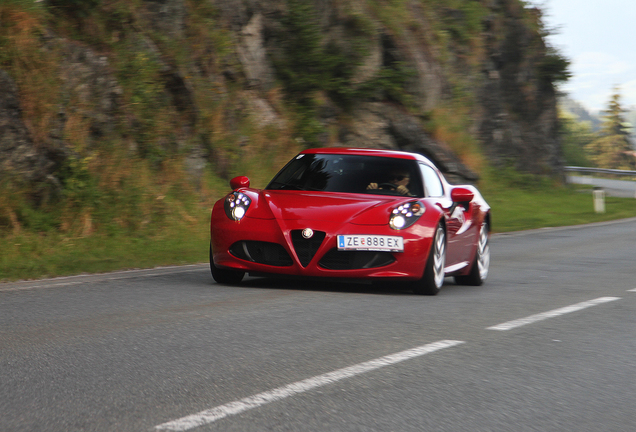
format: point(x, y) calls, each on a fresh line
point(261, 252)
point(353, 260)
point(306, 248)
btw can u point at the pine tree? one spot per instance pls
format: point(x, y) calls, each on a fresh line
point(613, 149)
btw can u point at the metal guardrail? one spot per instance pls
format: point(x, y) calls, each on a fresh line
point(599, 170)
point(621, 188)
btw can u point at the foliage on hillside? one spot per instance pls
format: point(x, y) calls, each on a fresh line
point(152, 133)
point(611, 146)
point(132, 179)
point(575, 137)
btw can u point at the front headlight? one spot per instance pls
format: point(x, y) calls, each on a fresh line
point(406, 215)
point(236, 205)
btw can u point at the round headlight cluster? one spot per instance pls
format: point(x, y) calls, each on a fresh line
point(405, 215)
point(236, 204)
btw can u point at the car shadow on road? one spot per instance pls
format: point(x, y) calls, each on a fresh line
point(391, 288)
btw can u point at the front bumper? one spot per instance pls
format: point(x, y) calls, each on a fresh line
point(268, 246)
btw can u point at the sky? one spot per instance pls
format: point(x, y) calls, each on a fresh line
point(599, 38)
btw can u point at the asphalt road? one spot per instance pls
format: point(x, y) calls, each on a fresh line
point(617, 188)
point(547, 344)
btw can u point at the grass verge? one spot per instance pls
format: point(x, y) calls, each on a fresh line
point(522, 203)
point(32, 256)
point(517, 204)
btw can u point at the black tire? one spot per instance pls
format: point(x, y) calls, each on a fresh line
point(481, 263)
point(433, 277)
point(225, 276)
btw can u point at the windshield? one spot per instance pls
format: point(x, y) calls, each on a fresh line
point(348, 173)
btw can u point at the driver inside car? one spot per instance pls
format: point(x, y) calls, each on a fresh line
point(397, 181)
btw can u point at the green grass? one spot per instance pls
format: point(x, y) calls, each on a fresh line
point(31, 256)
point(518, 203)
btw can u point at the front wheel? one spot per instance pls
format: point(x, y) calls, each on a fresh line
point(481, 263)
point(433, 277)
point(225, 276)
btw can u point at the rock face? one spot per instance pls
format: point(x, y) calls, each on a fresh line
point(514, 118)
point(253, 54)
point(90, 98)
point(380, 125)
point(518, 115)
point(167, 16)
point(18, 154)
point(91, 90)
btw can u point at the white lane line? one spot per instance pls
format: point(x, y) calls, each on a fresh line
point(254, 401)
point(551, 314)
point(632, 290)
point(131, 274)
point(40, 286)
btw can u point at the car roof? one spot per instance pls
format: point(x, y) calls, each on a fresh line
point(368, 152)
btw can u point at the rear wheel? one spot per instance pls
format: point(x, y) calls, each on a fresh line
point(481, 264)
point(225, 276)
point(433, 277)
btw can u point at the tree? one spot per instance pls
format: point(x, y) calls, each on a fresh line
point(613, 149)
point(575, 137)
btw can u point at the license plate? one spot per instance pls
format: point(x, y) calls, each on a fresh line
point(370, 243)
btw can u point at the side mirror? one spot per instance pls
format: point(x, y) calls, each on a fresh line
point(461, 194)
point(239, 182)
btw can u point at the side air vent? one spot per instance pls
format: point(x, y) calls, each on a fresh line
point(352, 260)
point(261, 252)
point(306, 248)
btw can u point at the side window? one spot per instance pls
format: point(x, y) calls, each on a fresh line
point(432, 183)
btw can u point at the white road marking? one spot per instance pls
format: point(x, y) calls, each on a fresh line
point(103, 277)
point(254, 401)
point(551, 314)
point(632, 290)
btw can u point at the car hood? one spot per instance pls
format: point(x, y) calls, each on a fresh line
point(342, 208)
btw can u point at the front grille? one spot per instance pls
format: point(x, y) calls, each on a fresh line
point(306, 248)
point(352, 260)
point(261, 252)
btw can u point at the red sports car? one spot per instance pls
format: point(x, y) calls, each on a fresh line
point(362, 214)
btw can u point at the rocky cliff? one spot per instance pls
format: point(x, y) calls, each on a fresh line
point(203, 78)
